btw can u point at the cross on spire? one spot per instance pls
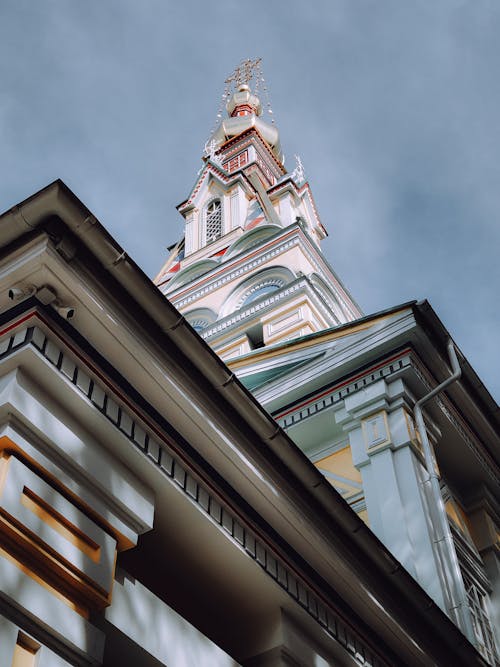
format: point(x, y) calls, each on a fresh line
point(249, 70)
point(244, 72)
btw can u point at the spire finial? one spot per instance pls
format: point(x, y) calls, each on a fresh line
point(242, 90)
point(244, 72)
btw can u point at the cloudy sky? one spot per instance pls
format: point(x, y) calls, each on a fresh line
point(393, 106)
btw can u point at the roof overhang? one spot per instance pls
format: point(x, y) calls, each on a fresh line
point(154, 344)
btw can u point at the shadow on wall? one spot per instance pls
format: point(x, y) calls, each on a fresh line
point(141, 616)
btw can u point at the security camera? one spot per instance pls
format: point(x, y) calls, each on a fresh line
point(65, 311)
point(16, 293)
point(21, 292)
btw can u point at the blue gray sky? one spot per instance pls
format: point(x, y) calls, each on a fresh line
point(393, 106)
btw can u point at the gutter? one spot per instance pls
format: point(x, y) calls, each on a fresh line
point(470, 380)
point(57, 200)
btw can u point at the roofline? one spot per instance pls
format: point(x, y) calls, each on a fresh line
point(229, 176)
point(432, 324)
point(311, 337)
point(404, 596)
point(250, 130)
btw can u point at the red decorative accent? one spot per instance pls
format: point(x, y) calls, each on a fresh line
point(219, 253)
point(251, 134)
point(336, 387)
point(253, 223)
point(242, 110)
point(15, 324)
point(236, 162)
point(174, 268)
point(264, 144)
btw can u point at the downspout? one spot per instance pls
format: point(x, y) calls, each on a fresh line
point(457, 603)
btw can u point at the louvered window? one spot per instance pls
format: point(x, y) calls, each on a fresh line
point(213, 224)
point(478, 605)
point(477, 586)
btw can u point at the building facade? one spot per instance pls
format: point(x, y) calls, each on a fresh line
point(356, 394)
point(159, 506)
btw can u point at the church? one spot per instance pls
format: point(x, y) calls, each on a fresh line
point(233, 465)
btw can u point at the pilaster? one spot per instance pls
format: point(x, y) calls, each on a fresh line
point(384, 449)
point(234, 208)
point(191, 233)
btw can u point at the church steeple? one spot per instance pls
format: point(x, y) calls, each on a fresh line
point(248, 271)
point(245, 112)
point(243, 103)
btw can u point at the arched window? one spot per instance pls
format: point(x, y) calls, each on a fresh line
point(258, 292)
point(256, 288)
point(200, 318)
point(213, 221)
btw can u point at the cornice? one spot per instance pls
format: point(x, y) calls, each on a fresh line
point(338, 391)
point(246, 133)
point(301, 285)
point(239, 266)
point(386, 369)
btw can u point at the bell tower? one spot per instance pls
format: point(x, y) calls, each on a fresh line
point(248, 271)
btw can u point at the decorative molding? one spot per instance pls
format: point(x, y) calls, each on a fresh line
point(239, 316)
point(376, 433)
point(337, 393)
point(165, 460)
point(54, 540)
point(229, 274)
point(242, 314)
point(249, 136)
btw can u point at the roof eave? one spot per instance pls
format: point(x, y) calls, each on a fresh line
point(343, 526)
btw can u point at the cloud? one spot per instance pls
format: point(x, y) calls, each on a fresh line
point(393, 107)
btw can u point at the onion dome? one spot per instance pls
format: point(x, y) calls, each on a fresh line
point(244, 109)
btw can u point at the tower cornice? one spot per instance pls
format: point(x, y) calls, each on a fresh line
point(248, 132)
point(249, 260)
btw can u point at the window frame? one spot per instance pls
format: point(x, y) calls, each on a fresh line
point(216, 214)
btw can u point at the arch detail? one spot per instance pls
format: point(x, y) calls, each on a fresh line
point(256, 287)
point(200, 318)
point(191, 272)
point(252, 238)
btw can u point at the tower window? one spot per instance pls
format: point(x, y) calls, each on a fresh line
point(258, 292)
point(213, 223)
point(478, 605)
